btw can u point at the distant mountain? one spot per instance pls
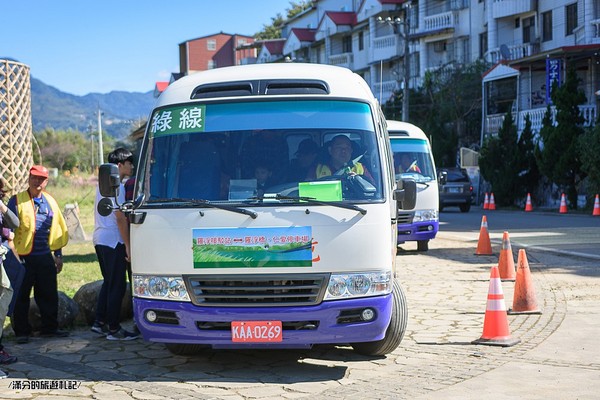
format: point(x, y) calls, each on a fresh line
point(122, 111)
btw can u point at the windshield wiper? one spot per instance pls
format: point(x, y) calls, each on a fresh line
point(208, 203)
point(311, 200)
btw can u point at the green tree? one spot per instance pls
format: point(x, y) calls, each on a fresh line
point(273, 31)
point(529, 174)
point(447, 107)
point(589, 147)
point(67, 150)
point(558, 154)
point(499, 162)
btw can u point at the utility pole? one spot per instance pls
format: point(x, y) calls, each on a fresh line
point(91, 133)
point(100, 148)
point(402, 27)
point(405, 91)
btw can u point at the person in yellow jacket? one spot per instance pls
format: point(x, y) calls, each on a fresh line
point(39, 239)
point(340, 155)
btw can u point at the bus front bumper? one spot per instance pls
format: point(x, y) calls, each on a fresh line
point(417, 231)
point(331, 322)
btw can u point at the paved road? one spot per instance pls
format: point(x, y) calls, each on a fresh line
point(446, 288)
point(571, 233)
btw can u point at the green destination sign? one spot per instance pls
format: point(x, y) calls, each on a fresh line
point(183, 119)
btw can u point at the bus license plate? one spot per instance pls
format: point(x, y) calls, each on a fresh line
point(256, 331)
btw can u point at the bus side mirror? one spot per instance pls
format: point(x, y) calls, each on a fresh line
point(105, 207)
point(406, 194)
point(443, 177)
point(108, 180)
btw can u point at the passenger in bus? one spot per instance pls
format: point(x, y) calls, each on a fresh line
point(408, 164)
point(263, 174)
point(340, 161)
point(265, 145)
point(305, 160)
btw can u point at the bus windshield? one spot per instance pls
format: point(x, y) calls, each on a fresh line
point(241, 151)
point(412, 159)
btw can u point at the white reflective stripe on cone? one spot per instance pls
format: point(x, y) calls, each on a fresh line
point(495, 286)
point(496, 305)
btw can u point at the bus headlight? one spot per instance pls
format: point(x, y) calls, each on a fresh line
point(343, 286)
point(160, 287)
point(425, 215)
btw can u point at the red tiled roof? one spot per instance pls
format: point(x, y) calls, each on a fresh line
point(275, 46)
point(161, 86)
point(342, 18)
point(304, 34)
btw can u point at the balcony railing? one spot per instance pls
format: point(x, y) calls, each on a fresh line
point(436, 22)
point(514, 52)
point(596, 24)
point(386, 47)
point(536, 115)
point(342, 60)
point(506, 8)
point(384, 90)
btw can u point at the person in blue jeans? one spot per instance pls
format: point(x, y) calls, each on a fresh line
point(111, 242)
point(39, 239)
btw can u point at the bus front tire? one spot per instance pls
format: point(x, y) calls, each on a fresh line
point(395, 331)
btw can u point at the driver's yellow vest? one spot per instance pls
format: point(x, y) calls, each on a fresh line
point(324, 170)
point(24, 234)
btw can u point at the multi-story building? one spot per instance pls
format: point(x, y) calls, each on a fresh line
point(533, 43)
point(391, 42)
point(214, 51)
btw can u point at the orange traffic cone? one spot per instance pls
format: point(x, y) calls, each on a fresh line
point(563, 205)
point(528, 205)
point(492, 202)
point(506, 262)
point(596, 211)
point(486, 202)
point(484, 246)
point(524, 301)
point(495, 324)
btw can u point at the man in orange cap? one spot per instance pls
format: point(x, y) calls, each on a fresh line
point(41, 235)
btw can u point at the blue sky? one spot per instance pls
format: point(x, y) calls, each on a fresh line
point(85, 46)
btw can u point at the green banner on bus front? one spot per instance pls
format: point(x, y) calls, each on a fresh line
point(171, 121)
point(252, 247)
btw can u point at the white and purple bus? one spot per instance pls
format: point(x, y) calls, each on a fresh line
point(236, 242)
point(413, 159)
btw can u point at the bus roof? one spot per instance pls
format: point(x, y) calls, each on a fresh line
point(398, 129)
point(337, 82)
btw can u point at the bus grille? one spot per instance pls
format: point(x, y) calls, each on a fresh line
point(257, 290)
point(405, 218)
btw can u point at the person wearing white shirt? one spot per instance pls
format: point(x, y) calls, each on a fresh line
point(111, 242)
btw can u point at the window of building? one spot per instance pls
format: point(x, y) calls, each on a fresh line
point(483, 45)
point(571, 15)
point(241, 42)
point(211, 44)
point(212, 64)
point(439, 46)
point(361, 40)
point(547, 26)
point(528, 30)
point(347, 44)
